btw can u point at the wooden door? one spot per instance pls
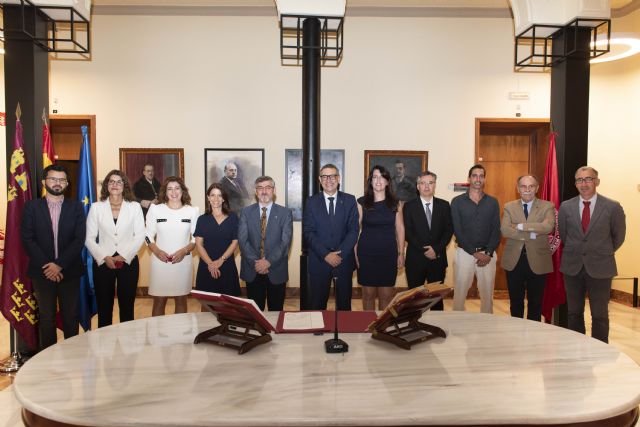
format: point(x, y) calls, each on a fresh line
point(507, 149)
point(67, 141)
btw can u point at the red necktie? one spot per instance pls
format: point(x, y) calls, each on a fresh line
point(586, 216)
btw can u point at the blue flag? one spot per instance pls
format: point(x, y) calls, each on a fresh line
point(86, 195)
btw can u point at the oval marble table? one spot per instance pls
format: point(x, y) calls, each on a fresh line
point(490, 370)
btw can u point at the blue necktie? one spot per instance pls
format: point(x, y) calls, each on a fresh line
point(526, 211)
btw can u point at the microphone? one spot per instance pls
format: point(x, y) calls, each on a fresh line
point(336, 345)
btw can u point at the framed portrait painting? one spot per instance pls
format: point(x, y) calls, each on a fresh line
point(293, 186)
point(165, 161)
point(236, 170)
point(403, 166)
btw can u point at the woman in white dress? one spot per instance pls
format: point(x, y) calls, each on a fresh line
point(115, 232)
point(170, 227)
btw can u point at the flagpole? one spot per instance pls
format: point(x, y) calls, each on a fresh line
point(12, 363)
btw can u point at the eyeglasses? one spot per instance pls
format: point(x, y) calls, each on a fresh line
point(58, 180)
point(116, 183)
point(588, 180)
point(266, 187)
point(329, 177)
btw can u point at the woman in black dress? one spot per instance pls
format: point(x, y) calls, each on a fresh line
point(216, 241)
point(380, 248)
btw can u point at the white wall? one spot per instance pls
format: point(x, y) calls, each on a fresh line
point(614, 136)
point(410, 84)
point(404, 83)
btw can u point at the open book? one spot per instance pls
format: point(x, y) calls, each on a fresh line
point(423, 298)
point(243, 309)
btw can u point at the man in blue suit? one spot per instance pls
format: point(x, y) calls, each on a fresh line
point(330, 227)
point(264, 235)
point(53, 233)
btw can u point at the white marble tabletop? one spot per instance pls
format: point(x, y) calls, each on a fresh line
point(489, 370)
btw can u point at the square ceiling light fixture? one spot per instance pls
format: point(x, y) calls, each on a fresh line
point(293, 13)
point(68, 24)
point(538, 22)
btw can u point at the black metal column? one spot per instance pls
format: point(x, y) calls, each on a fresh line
point(310, 133)
point(570, 112)
point(26, 77)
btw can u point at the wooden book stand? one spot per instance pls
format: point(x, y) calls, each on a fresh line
point(400, 323)
point(242, 326)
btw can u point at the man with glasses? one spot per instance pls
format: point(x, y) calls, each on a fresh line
point(476, 225)
point(146, 188)
point(264, 234)
point(526, 258)
point(330, 227)
point(53, 233)
point(592, 228)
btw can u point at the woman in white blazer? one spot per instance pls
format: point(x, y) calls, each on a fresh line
point(115, 233)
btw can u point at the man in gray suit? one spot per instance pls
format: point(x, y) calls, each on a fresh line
point(592, 227)
point(264, 235)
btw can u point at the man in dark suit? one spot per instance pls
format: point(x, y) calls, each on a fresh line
point(592, 228)
point(330, 228)
point(264, 235)
point(53, 233)
point(146, 188)
point(236, 191)
point(428, 230)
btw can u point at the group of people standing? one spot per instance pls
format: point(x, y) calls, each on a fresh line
point(54, 232)
point(341, 234)
point(370, 234)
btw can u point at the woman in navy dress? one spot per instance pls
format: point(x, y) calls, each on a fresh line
point(380, 248)
point(216, 241)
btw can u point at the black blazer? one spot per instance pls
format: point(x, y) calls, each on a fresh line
point(37, 237)
point(418, 234)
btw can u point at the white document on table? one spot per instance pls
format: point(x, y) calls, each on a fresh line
point(303, 320)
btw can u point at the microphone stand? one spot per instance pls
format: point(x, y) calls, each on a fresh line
point(335, 344)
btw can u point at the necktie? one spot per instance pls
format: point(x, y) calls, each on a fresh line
point(586, 216)
point(526, 211)
point(263, 230)
point(427, 211)
point(332, 209)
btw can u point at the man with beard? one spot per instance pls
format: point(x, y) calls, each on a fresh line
point(146, 188)
point(476, 225)
point(264, 236)
point(53, 234)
